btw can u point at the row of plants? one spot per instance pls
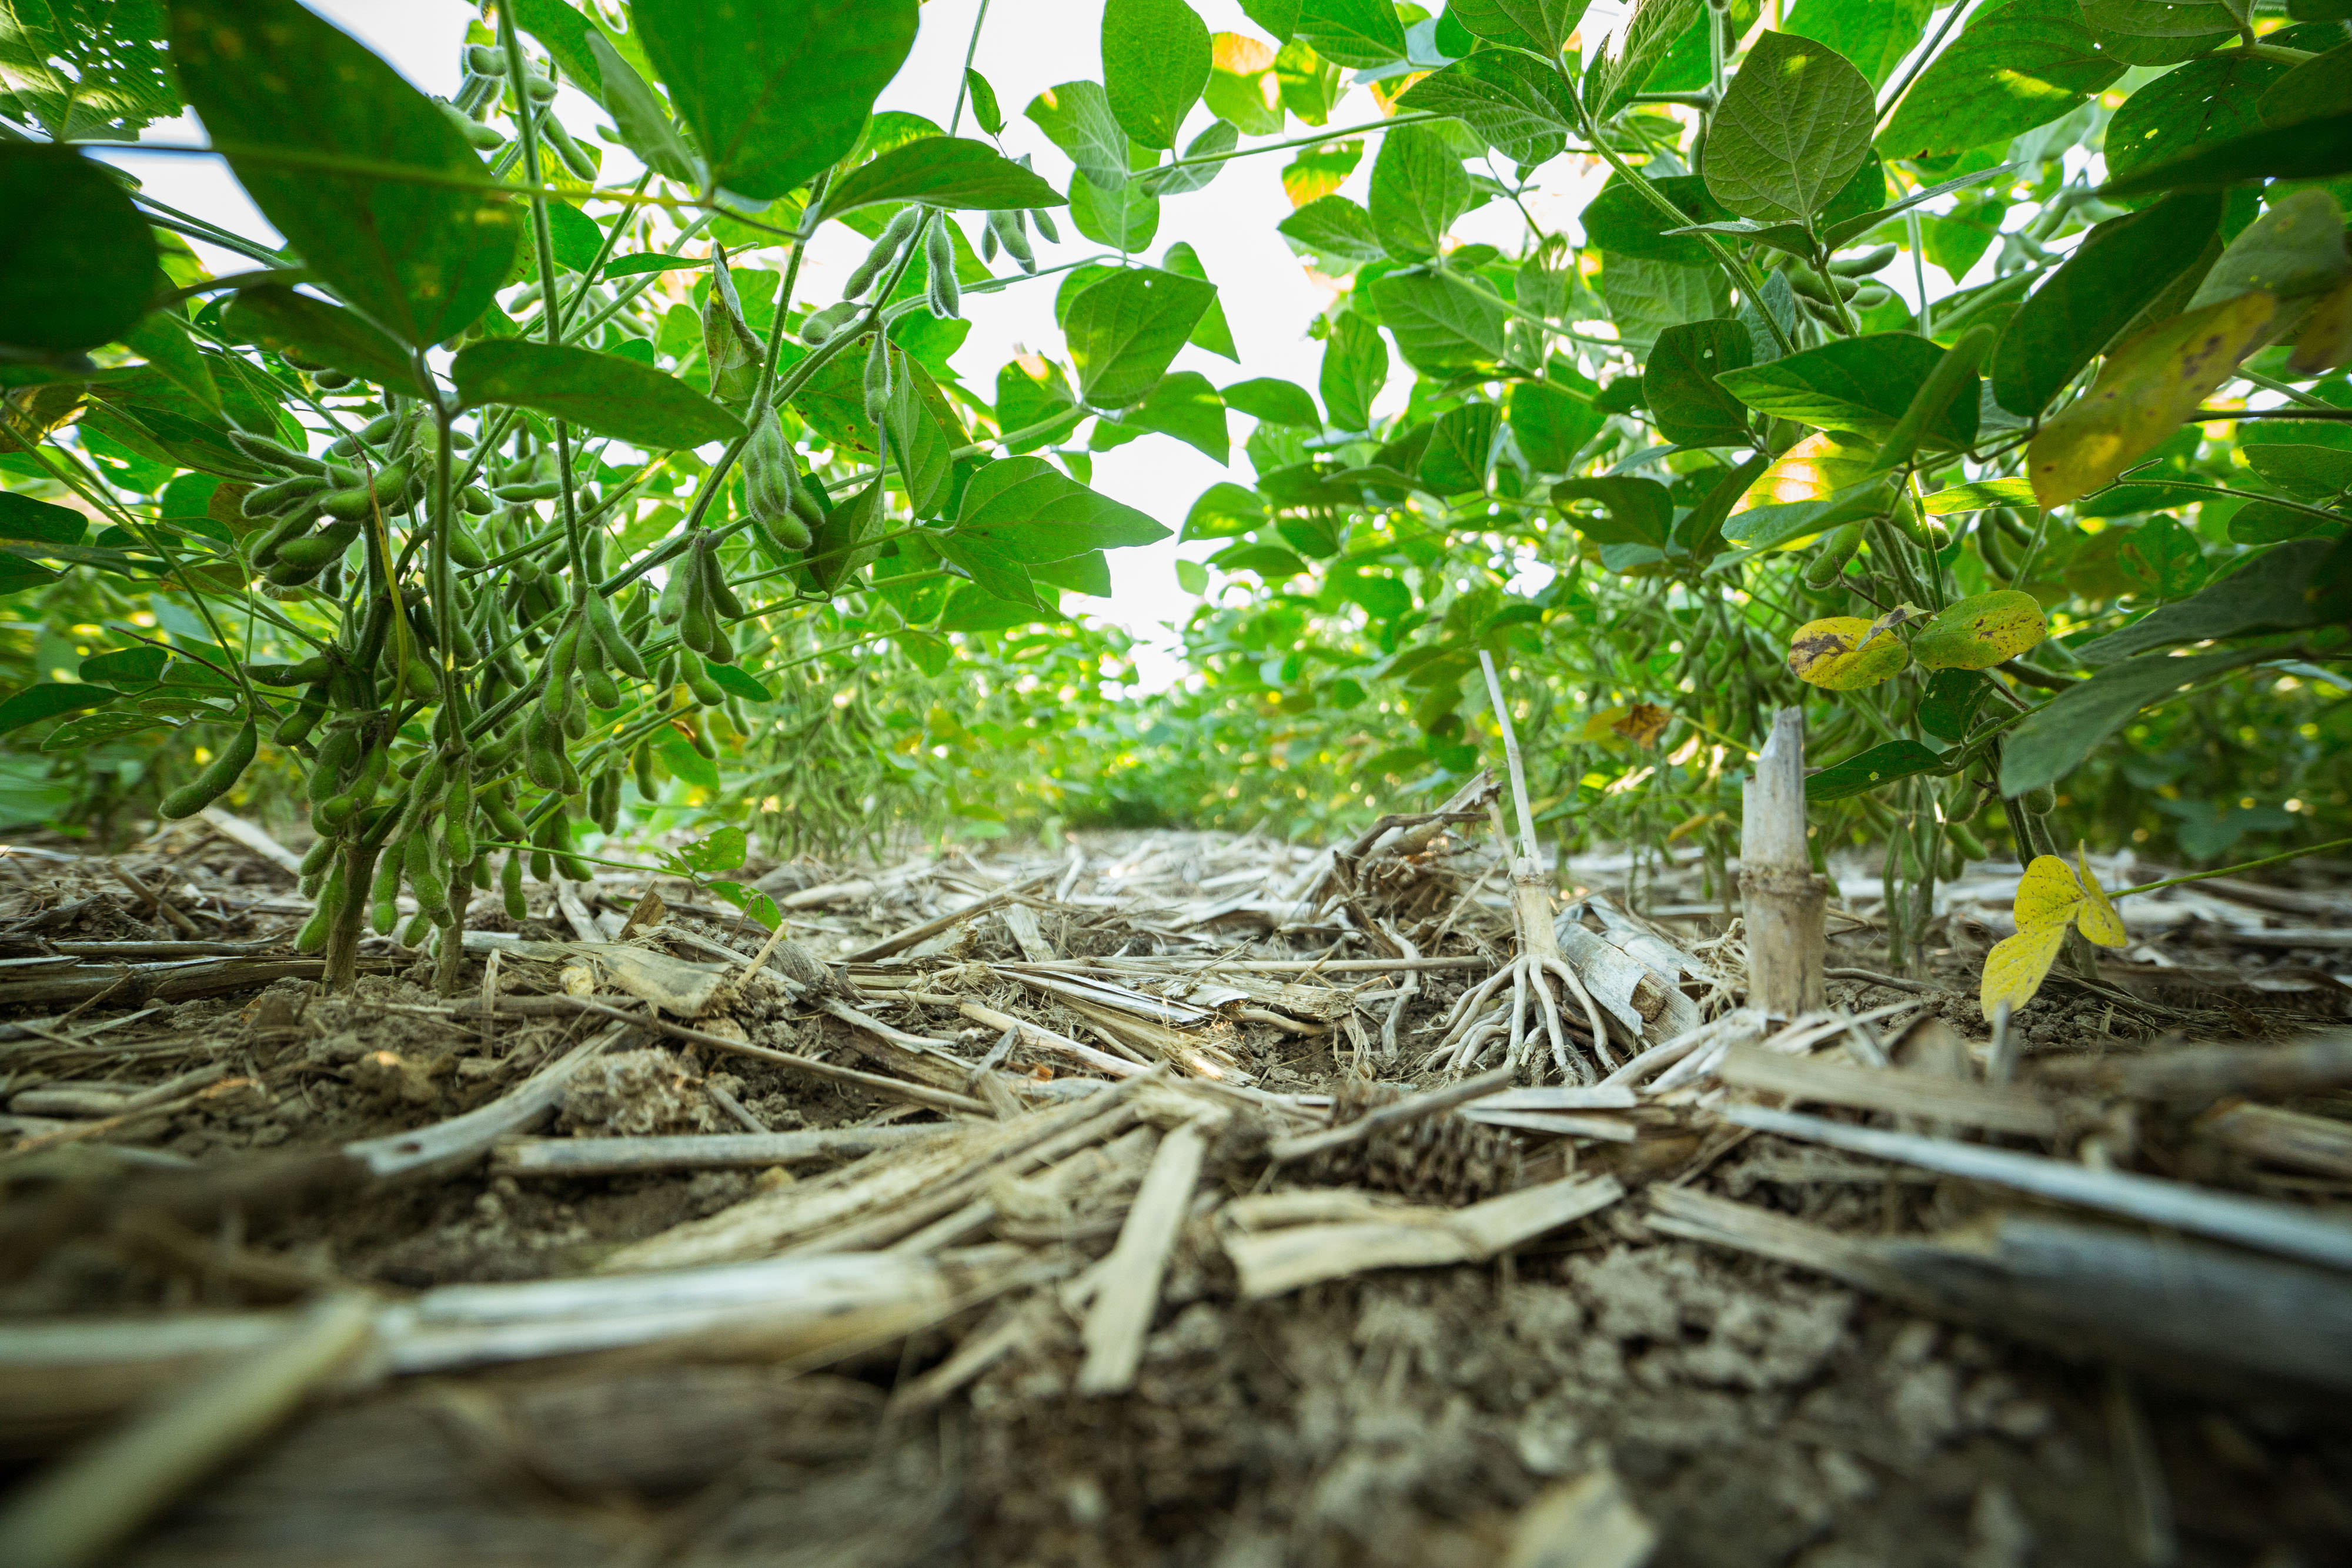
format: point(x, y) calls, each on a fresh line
point(503, 502)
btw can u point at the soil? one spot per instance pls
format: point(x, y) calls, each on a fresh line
point(1750, 1412)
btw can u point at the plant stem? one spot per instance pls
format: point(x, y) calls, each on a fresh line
point(2234, 870)
point(963, 82)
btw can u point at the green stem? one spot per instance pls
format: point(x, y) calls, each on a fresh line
point(2234, 870)
point(963, 82)
point(1207, 159)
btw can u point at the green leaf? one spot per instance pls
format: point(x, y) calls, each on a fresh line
point(276, 317)
point(1355, 369)
point(1622, 222)
point(1793, 127)
point(994, 568)
point(161, 338)
point(49, 699)
point(1222, 137)
point(723, 850)
point(2295, 249)
point(2205, 102)
point(1124, 330)
point(2306, 473)
point(1211, 332)
point(774, 92)
point(1519, 108)
point(566, 33)
point(917, 444)
point(1357, 33)
point(2016, 65)
point(1635, 511)
point(1192, 577)
point(1334, 231)
point(1949, 703)
point(1029, 391)
point(271, 80)
point(1419, 188)
point(1460, 448)
point(1686, 403)
point(86, 69)
point(1649, 33)
point(1646, 297)
point(1278, 17)
point(638, 117)
point(1186, 406)
point(2315, 149)
point(2271, 593)
point(985, 106)
point(1124, 218)
point(2148, 386)
point(971, 608)
point(728, 678)
point(1225, 510)
point(941, 171)
point(2053, 740)
point(38, 522)
point(82, 275)
point(2120, 267)
point(1037, 514)
point(842, 545)
point(1271, 562)
point(126, 669)
point(1076, 117)
point(603, 392)
point(1875, 35)
point(1548, 24)
point(1440, 322)
point(1859, 774)
point(1551, 424)
point(1859, 384)
point(2311, 89)
point(2162, 559)
point(1275, 401)
point(1155, 56)
point(2157, 32)
point(2017, 491)
point(1089, 574)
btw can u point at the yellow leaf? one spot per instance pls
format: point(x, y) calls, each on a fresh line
point(2017, 965)
point(1979, 633)
point(2098, 918)
point(1601, 725)
point(2048, 891)
point(2145, 389)
point(1845, 654)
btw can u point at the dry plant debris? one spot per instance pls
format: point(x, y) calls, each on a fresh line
point(1141, 1201)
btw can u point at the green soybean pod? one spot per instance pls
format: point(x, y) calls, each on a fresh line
point(313, 936)
point(573, 868)
point(315, 857)
point(419, 927)
point(642, 760)
point(1837, 548)
point(296, 727)
point(2042, 800)
point(423, 876)
point(213, 782)
point(510, 884)
point(706, 692)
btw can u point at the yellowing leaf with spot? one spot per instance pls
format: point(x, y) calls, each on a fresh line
point(1841, 653)
point(2048, 891)
point(2145, 389)
point(1978, 633)
point(2325, 340)
point(1641, 724)
point(2098, 918)
point(2015, 968)
point(1821, 465)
